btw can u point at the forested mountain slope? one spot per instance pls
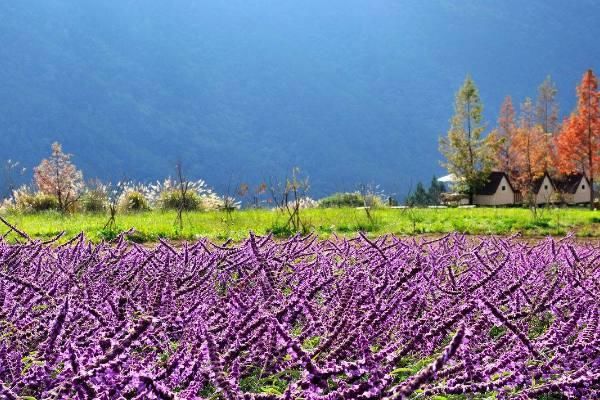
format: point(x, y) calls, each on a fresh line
point(348, 90)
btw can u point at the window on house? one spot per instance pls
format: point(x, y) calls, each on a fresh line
point(545, 187)
point(583, 186)
point(503, 187)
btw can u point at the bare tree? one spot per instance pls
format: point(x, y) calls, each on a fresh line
point(288, 196)
point(229, 201)
point(547, 106)
point(113, 195)
point(366, 193)
point(260, 190)
point(243, 190)
point(370, 195)
point(253, 195)
point(412, 212)
point(183, 186)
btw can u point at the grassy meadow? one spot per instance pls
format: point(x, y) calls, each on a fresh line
point(217, 225)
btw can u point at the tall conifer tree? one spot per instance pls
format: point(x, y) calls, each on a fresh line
point(469, 155)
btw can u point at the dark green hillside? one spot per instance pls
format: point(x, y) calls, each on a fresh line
point(349, 90)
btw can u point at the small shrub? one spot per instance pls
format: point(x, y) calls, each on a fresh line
point(133, 201)
point(366, 226)
point(281, 231)
point(540, 223)
point(172, 200)
point(94, 200)
point(108, 234)
point(354, 199)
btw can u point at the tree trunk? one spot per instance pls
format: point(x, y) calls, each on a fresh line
point(590, 148)
point(591, 162)
point(471, 196)
point(591, 192)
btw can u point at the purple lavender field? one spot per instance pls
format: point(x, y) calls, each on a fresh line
point(385, 318)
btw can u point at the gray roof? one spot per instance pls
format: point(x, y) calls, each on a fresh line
point(494, 179)
point(537, 183)
point(569, 183)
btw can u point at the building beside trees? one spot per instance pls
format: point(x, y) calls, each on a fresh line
point(497, 191)
point(573, 189)
point(529, 153)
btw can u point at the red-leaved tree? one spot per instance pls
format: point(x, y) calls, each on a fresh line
point(57, 176)
point(578, 144)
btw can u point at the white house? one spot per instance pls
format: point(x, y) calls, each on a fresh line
point(497, 191)
point(544, 190)
point(574, 189)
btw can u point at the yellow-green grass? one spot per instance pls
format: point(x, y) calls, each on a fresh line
point(217, 225)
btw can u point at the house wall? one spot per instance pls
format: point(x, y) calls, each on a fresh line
point(545, 193)
point(500, 198)
point(582, 195)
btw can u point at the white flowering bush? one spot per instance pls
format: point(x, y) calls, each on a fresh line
point(133, 197)
point(127, 196)
point(307, 202)
point(167, 195)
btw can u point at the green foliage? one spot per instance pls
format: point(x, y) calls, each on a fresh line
point(350, 199)
point(342, 200)
point(423, 197)
point(468, 154)
point(372, 225)
point(285, 230)
point(409, 366)
point(133, 201)
point(107, 234)
point(435, 190)
point(497, 332)
point(150, 225)
point(311, 343)
point(281, 230)
point(208, 391)
point(419, 197)
point(173, 200)
point(94, 201)
point(274, 384)
point(539, 324)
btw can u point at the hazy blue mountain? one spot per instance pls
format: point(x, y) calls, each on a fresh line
point(349, 90)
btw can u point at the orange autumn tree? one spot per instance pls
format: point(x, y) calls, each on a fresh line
point(578, 143)
point(529, 150)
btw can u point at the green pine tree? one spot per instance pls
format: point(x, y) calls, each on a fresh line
point(469, 155)
point(435, 190)
point(419, 197)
